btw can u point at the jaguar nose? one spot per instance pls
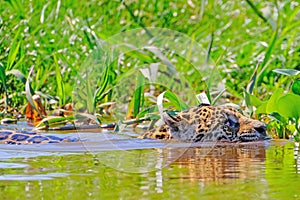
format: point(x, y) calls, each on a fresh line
point(261, 129)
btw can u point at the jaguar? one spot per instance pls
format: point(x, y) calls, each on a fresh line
point(202, 123)
point(205, 123)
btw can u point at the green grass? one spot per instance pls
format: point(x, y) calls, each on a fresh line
point(243, 38)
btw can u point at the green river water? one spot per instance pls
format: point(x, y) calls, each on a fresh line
point(110, 166)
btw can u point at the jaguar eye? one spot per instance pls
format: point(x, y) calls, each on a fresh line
point(232, 122)
point(175, 128)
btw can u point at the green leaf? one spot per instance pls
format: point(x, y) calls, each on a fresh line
point(288, 72)
point(272, 105)
point(247, 100)
point(252, 100)
point(53, 121)
point(148, 112)
point(19, 62)
point(296, 87)
point(178, 103)
point(262, 109)
point(288, 106)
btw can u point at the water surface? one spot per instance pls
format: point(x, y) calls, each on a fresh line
point(117, 166)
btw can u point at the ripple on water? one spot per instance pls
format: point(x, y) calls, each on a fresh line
point(5, 165)
point(33, 177)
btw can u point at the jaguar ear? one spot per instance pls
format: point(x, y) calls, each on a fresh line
point(204, 104)
point(170, 120)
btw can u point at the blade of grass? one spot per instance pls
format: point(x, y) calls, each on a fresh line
point(104, 82)
point(90, 100)
point(90, 42)
point(17, 6)
point(137, 101)
point(60, 84)
point(259, 14)
point(3, 80)
point(211, 37)
point(13, 52)
point(137, 20)
point(218, 97)
point(138, 96)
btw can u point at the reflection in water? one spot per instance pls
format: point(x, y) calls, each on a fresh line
point(217, 165)
point(297, 157)
point(221, 163)
point(239, 164)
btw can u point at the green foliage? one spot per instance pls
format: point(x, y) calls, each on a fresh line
point(282, 106)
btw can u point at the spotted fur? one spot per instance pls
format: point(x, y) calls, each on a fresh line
point(29, 137)
point(209, 123)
